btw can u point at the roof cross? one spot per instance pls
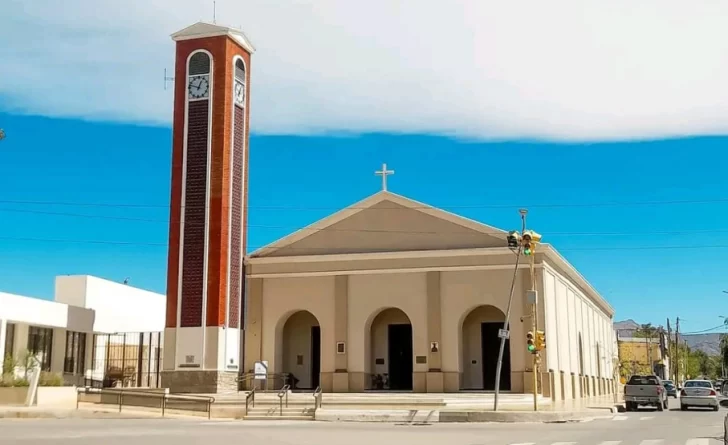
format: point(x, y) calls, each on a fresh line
point(384, 173)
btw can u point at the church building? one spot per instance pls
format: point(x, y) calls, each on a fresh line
point(393, 294)
point(388, 294)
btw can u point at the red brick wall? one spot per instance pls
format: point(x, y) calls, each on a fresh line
point(223, 49)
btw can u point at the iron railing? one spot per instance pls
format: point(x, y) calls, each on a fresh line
point(317, 396)
point(244, 379)
point(150, 399)
point(283, 393)
point(250, 400)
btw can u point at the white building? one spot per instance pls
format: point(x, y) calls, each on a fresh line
point(95, 332)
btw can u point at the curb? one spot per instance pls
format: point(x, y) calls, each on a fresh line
point(66, 414)
point(522, 417)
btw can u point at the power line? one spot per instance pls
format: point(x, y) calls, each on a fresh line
point(705, 331)
point(135, 243)
point(332, 229)
point(474, 206)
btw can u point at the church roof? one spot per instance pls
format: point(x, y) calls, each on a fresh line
point(369, 202)
point(203, 29)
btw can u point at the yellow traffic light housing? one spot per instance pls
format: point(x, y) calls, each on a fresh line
point(529, 241)
point(530, 342)
point(540, 340)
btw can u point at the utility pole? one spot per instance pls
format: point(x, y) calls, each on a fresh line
point(525, 242)
point(504, 333)
point(534, 325)
point(677, 351)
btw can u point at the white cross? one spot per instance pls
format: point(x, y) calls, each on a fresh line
point(384, 173)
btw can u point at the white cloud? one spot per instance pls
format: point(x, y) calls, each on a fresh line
point(570, 69)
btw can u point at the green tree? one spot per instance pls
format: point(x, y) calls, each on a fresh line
point(724, 351)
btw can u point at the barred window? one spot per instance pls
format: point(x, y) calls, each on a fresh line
point(75, 359)
point(40, 344)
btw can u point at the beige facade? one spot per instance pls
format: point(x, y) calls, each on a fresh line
point(391, 293)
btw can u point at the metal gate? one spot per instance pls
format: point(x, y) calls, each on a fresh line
point(128, 360)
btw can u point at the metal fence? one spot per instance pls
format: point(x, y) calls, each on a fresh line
point(126, 360)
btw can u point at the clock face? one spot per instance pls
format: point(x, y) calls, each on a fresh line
point(198, 87)
point(239, 93)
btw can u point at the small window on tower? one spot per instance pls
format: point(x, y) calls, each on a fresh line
point(240, 70)
point(199, 64)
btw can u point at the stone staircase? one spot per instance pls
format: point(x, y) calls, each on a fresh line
point(300, 406)
point(269, 412)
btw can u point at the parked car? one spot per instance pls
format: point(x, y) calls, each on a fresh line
point(698, 393)
point(645, 390)
point(670, 388)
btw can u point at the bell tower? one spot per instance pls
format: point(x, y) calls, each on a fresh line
point(207, 229)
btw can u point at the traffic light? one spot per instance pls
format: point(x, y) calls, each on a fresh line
point(530, 239)
point(540, 340)
point(530, 342)
point(514, 239)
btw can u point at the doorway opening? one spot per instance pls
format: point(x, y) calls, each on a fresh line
point(489, 348)
point(390, 349)
point(300, 351)
point(479, 348)
point(400, 356)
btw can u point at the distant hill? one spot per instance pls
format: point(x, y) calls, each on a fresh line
point(708, 343)
point(626, 325)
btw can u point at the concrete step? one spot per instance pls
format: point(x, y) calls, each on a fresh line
point(277, 411)
point(298, 418)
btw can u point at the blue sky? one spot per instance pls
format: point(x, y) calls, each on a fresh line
point(587, 75)
point(566, 185)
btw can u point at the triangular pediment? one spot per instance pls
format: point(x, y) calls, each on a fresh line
point(201, 30)
point(386, 222)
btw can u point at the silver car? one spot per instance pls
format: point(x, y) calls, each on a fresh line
point(698, 393)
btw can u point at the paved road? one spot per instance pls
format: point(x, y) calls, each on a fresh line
point(640, 428)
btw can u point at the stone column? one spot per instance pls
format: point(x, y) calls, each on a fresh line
point(254, 326)
point(3, 334)
point(340, 377)
point(435, 379)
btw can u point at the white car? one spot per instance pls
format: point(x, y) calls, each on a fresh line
point(699, 393)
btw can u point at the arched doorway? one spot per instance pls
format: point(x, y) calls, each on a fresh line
point(391, 351)
point(479, 347)
point(301, 350)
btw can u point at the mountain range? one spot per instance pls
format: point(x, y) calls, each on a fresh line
point(708, 343)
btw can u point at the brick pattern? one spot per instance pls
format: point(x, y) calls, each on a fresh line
point(193, 251)
point(236, 226)
point(221, 172)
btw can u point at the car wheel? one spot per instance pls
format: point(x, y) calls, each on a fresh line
point(660, 406)
point(683, 407)
point(715, 408)
point(667, 404)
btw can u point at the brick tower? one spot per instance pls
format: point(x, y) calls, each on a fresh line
point(207, 236)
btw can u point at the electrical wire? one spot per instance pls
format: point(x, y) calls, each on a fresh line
point(475, 206)
point(135, 243)
point(333, 229)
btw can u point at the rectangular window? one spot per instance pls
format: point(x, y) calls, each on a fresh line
point(40, 344)
point(9, 339)
point(75, 358)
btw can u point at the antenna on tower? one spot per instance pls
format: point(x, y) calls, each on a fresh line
point(167, 79)
point(214, 12)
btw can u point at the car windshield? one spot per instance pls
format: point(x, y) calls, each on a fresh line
point(643, 380)
point(698, 384)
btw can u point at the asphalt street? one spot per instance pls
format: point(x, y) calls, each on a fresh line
point(646, 427)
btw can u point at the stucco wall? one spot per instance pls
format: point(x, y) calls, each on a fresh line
point(579, 336)
point(452, 295)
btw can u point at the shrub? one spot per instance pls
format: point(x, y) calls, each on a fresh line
point(9, 365)
point(50, 379)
